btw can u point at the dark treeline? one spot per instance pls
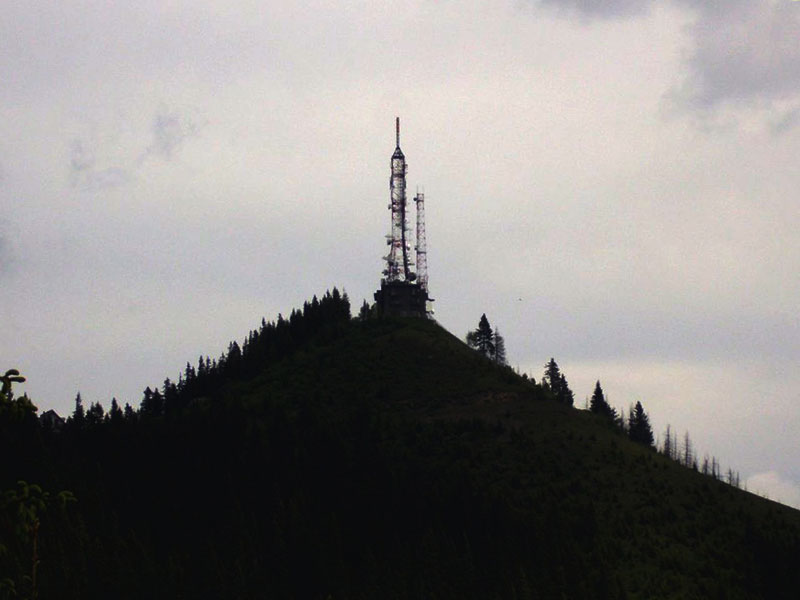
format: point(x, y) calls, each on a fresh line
point(273, 341)
point(488, 342)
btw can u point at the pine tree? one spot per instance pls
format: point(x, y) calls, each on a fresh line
point(668, 449)
point(552, 376)
point(363, 313)
point(115, 412)
point(598, 404)
point(557, 383)
point(565, 395)
point(639, 429)
point(482, 338)
point(79, 415)
point(688, 454)
point(95, 414)
point(499, 348)
point(621, 422)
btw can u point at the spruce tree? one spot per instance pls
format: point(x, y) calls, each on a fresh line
point(557, 383)
point(499, 347)
point(599, 405)
point(668, 449)
point(79, 415)
point(115, 412)
point(363, 314)
point(482, 338)
point(552, 376)
point(639, 429)
point(95, 414)
point(688, 453)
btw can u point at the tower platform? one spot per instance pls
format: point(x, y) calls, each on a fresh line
point(401, 299)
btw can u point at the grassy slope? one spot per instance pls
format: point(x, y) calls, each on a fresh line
point(658, 529)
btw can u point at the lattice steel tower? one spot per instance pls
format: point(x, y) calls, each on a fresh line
point(403, 292)
point(398, 266)
point(421, 247)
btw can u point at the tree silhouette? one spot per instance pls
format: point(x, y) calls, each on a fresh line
point(668, 448)
point(688, 453)
point(78, 418)
point(598, 404)
point(639, 429)
point(363, 313)
point(115, 412)
point(10, 377)
point(14, 409)
point(482, 338)
point(557, 383)
point(499, 347)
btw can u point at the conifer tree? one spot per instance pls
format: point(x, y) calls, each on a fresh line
point(598, 404)
point(565, 394)
point(499, 348)
point(688, 453)
point(667, 448)
point(557, 383)
point(95, 414)
point(639, 429)
point(552, 375)
point(363, 313)
point(115, 412)
point(79, 414)
point(482, 338)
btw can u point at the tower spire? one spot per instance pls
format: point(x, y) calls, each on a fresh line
point(398, 265)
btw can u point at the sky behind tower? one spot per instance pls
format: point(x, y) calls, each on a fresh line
point(614, 184)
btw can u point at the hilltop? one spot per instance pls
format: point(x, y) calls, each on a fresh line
point(383, 458)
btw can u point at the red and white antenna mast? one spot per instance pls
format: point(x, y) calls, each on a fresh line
point(404, 293)
point(398, 265)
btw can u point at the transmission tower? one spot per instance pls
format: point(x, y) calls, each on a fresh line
point(403, 292)
point(422, 260)
point(398, 265)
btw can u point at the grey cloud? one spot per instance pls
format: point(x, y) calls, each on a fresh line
point(170, 130)
point(95, 164)
point(592, 9)
point(786, 122)
point(5, 254)
point(84, 173)
point(81, 159)
point(744, 52)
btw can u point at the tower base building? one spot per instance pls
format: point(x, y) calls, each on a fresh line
point(401, 299)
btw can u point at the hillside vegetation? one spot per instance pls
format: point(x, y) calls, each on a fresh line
point(338, 458)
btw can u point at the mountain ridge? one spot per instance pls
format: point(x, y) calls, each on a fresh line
point(383, 458)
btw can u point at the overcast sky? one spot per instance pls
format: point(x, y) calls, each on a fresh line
point(615, 184)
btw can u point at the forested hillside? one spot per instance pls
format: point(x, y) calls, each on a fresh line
point(330, 457)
